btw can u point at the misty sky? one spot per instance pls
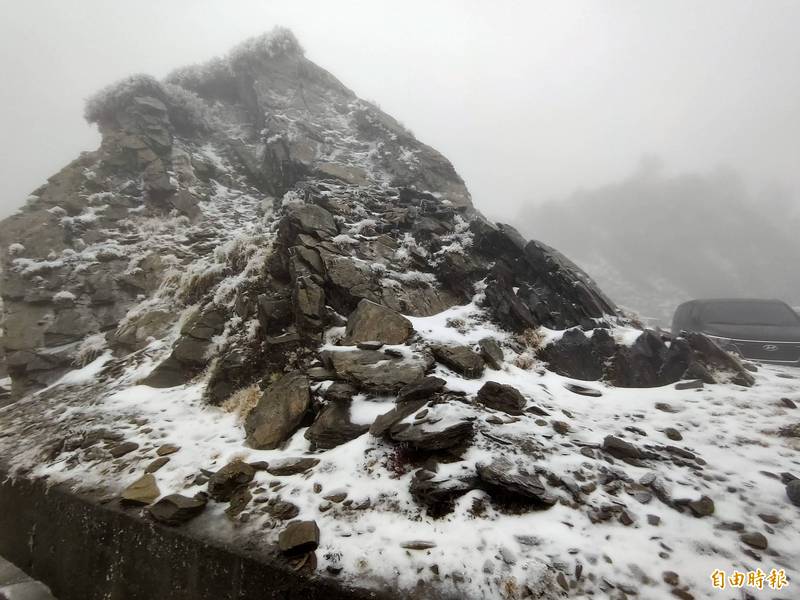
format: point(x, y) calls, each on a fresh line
point(530, 100)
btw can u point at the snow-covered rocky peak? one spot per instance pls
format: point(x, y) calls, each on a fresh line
point(264, 307)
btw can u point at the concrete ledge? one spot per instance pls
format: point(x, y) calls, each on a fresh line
point(86, 551)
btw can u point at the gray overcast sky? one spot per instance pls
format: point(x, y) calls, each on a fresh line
point(529, 100)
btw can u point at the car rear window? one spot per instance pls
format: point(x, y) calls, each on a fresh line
point(749, 313)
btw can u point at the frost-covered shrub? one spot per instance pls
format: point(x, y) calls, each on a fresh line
point(213, 79)
point(64, 298)
point(530, 338)
point(89, 349)
point(187, 111)
point(195, 283)
point(103, 105)
point(279, 41)
point(216, 78)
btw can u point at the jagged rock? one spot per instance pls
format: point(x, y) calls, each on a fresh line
point(308, 300)
point(142, 491)
point(505, 479)
point(461, 359)
point(703, 507)
point(583, 390)
point(619, 448)
point(438, 494)
point(648, 362)
point(291, 466)
point(122, 449)
point(156, 464)
point(424, 389)
point(167, 449)
point(299, 537)
point(274, 308)
point(692, 384)
point(207, 324)
point(640, 364)
point(176, 509)
point(711, 355)
point(313, 220)
point(239, 500)
point(376, 371)
point(333, 426)
point(282, 510)
point(505, 398)
point(429, 437)
point(371, 321)
point(576, 355)
point(279, 412)
point(369, 345)
point(223, 483)
point(755, 540)
point(492, 353)
point(384, 422)
point(339, 391)
point(793, 491)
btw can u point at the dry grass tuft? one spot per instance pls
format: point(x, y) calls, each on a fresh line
point(242, 401)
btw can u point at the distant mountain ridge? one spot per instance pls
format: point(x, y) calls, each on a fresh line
point(654, 240)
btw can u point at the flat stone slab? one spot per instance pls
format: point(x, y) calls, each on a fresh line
point(15, 584)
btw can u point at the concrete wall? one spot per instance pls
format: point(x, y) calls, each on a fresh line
point(85, 551)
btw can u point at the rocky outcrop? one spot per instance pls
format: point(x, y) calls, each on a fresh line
point(651, 360)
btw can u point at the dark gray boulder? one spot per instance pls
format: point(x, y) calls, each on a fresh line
point(299, 537)
point(223, 483)
point(432, 436)
point(461, 359)
point(386, 421)
point(375, 371)
point(504, 479)
point(279, 412)
point(176, 509)
point(793, 491)
point(492, 353)
point(373, 322)
point(423, 389)
point(333, 426)
point(579, 356)
point(313, 220)
point(619, 448)
point(505, 398)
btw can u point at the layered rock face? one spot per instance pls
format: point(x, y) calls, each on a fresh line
point(239, 208)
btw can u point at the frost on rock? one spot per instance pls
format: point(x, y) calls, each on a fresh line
point(160, 292)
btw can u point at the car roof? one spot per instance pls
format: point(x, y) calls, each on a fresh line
point(734, 301)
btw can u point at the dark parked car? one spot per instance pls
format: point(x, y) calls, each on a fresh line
point(764, 330)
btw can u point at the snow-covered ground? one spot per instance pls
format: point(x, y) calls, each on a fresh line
point(476, 551)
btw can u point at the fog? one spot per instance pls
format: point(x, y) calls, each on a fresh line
point(530, 101)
